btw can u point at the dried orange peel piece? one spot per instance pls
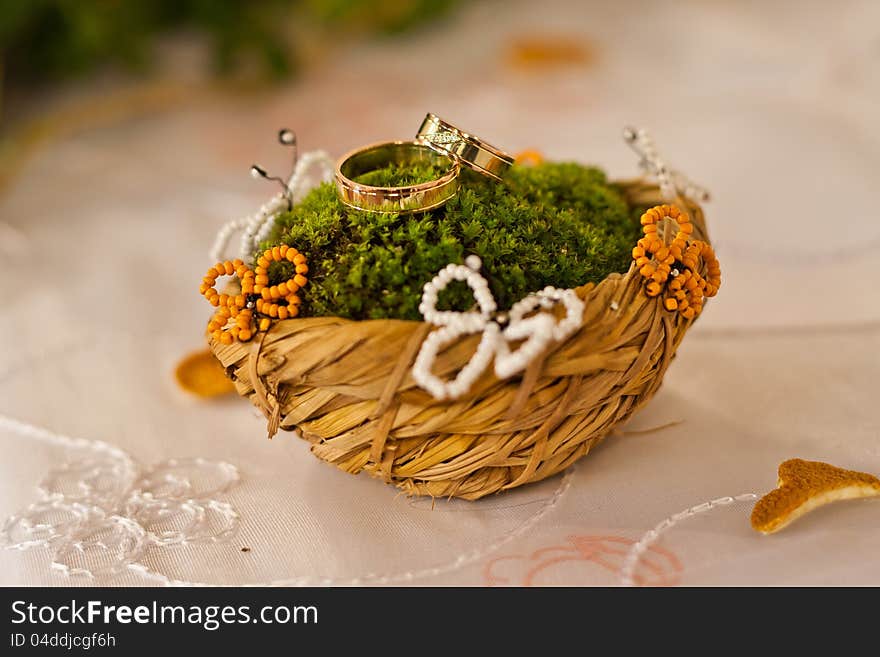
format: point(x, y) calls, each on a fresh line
point(201, 374)
point(807, 485)
point(529, 157)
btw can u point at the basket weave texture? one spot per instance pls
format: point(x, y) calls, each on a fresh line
point(346, 387)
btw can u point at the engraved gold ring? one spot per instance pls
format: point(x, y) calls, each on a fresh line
point(404, 199)
point(471, 151)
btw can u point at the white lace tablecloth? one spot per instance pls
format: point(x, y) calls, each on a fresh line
point(104, 237)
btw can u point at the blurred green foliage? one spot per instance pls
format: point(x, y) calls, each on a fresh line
point(48, 39)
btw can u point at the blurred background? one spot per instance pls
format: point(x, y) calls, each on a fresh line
point(130, 125)
point(126, 135)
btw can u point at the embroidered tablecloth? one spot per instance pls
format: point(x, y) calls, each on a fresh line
point(104, 234)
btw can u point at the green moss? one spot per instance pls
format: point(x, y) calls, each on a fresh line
point(558, 224)
point(398, 175)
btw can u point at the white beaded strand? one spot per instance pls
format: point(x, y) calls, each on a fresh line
point(455, 325)
point(672, 183)
point(536, 330)
point(257, 227)
point(638, 549)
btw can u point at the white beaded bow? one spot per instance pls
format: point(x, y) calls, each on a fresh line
point(673, 183)
point(537, 331)
point(257, 226)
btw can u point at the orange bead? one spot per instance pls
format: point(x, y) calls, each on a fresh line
point(225, 338)
point(300, 280)
point(282, 312)
point(302, 268)
point(671, 304)
point(293, 311)
point(244, 335)
point(265, 323)
point(299, 259)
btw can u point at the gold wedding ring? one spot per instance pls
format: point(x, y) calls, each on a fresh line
point(471, 151)
point(409, 198)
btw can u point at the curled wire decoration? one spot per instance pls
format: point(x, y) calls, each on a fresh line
point(534, 331)
point(673, 183)
point(311, 167)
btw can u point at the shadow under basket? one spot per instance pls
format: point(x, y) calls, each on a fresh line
point(346, 386)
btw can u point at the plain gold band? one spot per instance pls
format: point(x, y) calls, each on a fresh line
point(409, 198)
point(471, 151)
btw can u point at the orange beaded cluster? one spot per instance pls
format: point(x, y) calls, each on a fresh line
point(658, 261)
point(268, 304)
point(229, 306)
point(240, 316)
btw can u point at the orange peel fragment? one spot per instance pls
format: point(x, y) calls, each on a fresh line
point(807, 485)
point(201, 374)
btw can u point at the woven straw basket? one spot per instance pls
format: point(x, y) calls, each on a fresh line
point(347, 387)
